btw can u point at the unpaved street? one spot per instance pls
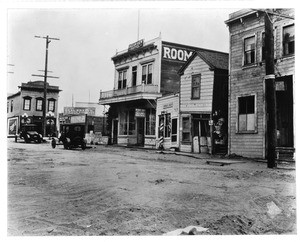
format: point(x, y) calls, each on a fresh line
point(121, 191)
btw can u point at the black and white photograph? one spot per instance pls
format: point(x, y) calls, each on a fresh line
point(147, 118)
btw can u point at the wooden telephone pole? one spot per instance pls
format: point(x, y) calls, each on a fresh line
point(48, 40)
point(270, 92)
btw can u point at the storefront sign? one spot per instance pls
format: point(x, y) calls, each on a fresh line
point(140, 113)
point(77, 119)
point(136, 45)
point(76, 110)
point(168, 105)
point(176, 54)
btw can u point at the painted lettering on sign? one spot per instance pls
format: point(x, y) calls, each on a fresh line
point(176, 54)
point(76, 110)
point(136, 45)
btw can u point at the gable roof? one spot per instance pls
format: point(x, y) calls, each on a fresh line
point(214, 59)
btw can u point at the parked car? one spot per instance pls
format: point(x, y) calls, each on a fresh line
point(29, 133)
point(72, 136)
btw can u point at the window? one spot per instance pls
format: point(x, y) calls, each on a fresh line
point(288, 40)
point(7, 107)
point(165, 125)
point(186, 129)
point(134, 75)
point(196, 80)
point(147, 74)
point(131, 122)
point(263, 47)
point(174, 130)
point(246, 113)
point(27, 103)
point(150, 121)
point(51, 105)
point(39, 104)
point(249, 50)
point(122, 79)
point(12, 105)
point(123, 123)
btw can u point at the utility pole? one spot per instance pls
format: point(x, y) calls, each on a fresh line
point(270, 92)
point(48, 40)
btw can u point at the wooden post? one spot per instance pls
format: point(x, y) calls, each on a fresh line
point(270, 93)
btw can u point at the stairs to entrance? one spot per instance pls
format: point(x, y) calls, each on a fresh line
point(285, 153)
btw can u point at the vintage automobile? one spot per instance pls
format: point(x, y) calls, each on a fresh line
point(71, 136)
point(29, 133)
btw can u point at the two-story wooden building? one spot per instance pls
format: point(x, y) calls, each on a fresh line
point(143, 72)
point(203, 103)
point(247, 90)
point(26, 106)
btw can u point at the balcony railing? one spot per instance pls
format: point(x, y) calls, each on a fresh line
point(129, 90)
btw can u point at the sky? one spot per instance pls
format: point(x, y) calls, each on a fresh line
point(89, 37)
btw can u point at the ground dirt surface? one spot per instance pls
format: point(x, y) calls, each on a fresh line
point(109, 190)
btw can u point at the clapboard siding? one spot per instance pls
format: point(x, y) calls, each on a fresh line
point(197, 66)
point(248, 80)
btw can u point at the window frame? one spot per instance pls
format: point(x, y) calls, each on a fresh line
point(150, 121)
point(244, 50)
point(49, 101)
point(37, 102)
point(186, 130)
point(12, 105)
point(134, 76)
point(284, 42)
point(27, 98)
point(147, 73)
point(194, 86)
point(122, 82)
point(174, 130)
point(254, 131)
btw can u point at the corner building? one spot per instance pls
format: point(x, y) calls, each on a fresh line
point(247, 91)
point(143, 72)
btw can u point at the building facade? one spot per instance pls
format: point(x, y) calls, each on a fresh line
point(203, 103)
point(247, 100)
point(143, 72)
point(26, 106)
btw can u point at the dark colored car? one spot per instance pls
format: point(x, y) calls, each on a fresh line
point(29, 133)
point(72, 136)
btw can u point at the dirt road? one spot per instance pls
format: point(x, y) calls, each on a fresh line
point(122, 191)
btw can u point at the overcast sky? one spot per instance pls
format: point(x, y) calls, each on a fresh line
point(90, 37)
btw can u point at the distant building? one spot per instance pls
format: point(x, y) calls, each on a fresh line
point(247, 101)
point(99, 110)
point(26, 106)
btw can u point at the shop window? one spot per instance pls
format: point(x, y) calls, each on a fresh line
point(288, 40)
point(131, 122)
point(147, 73)
point(174, 130)
point(186, 129)
point(51, 105)
point(122, 79)
point(246, 114)
point(123, 123)
point(249, 50)
point(196, 80)
point(39, 104)
point(27, 103)
point(134, 75)
point(150, 121)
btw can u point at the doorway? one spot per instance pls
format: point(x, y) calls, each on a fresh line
point(140, 122)
point(284, 105)
point(115, 132)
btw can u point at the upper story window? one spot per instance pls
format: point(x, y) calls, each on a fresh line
point(288, 39)
point(134, 75)
point(12, 105)
point(246, 114)
point(39, 104)
point(147, 73)
point(249, 50)
point(7, 107)
point(122, 79)
point(196, 81)
point(263, 44)
point(27, 103)
point(51, 105)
